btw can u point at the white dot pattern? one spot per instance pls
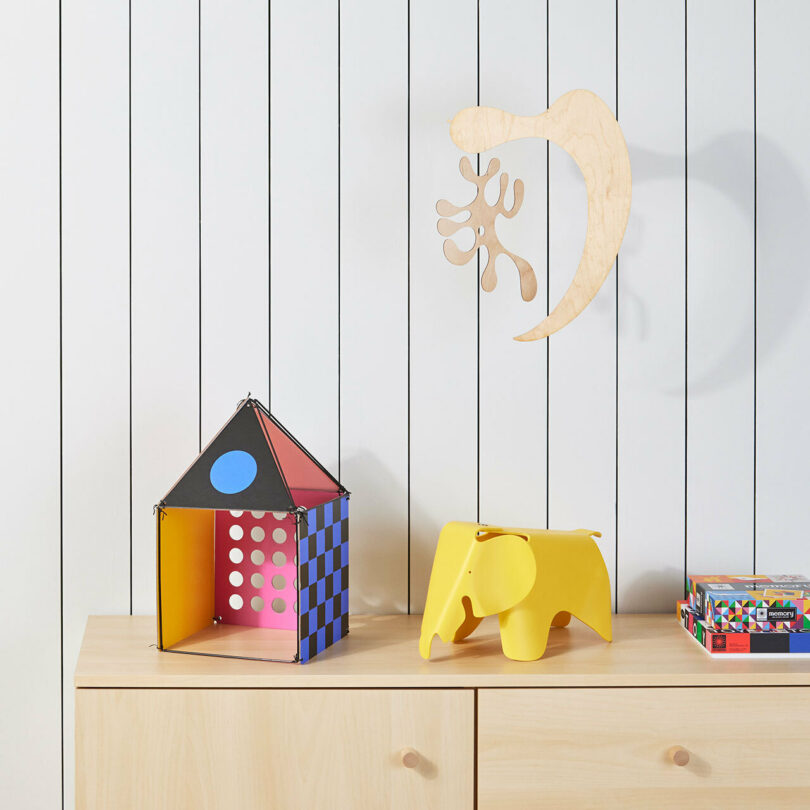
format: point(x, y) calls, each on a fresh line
point(256, 584)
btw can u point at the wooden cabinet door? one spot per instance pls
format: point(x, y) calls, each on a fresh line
point(745, 747)
point(238, 749)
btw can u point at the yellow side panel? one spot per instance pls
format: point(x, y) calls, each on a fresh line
point(185, 573)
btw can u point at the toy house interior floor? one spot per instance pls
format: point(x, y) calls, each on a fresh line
point(241, 642)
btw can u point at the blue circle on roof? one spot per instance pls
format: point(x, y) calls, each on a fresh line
point(233, 471)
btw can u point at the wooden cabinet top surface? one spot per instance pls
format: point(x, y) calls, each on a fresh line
point(382, 651)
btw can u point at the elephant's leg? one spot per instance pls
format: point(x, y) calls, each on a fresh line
point(470, 622)
point(561, 619)
point(599, 619)
point(524, 632)
point(596, 613)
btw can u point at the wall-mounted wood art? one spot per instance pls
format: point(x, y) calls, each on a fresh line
point(582, 124)
point(482, 221)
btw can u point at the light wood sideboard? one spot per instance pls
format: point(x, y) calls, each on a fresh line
point(649, 721)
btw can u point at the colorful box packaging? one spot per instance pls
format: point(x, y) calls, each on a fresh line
point(752, 603)
point(697, 584)
point(717, 642)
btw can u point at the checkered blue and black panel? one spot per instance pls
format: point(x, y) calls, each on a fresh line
point(323, 577)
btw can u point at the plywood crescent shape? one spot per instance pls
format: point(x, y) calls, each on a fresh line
point(582, 124)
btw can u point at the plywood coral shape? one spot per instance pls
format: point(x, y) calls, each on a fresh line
point(482, 221)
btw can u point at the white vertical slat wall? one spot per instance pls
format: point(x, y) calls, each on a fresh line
point(582, 360)
point(783, 286)
point(720, 286)
point(512, 384)
point(95, 325)
point(443, 314)
point(651, 316)
point(374, 298)
point(304, 256)
point(30, 552)
point(205, 198)
point(234, 208)
point(165, 347)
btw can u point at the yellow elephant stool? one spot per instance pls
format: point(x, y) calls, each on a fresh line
point(532, 578)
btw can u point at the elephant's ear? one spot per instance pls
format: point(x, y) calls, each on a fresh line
point(504, 574)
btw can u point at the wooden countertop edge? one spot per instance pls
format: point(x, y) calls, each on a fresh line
point(435, 682)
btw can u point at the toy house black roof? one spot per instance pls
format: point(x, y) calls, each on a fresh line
point(253, 463)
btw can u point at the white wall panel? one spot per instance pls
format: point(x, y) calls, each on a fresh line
point(30, 736)
point(304, 224)
point(374, 299)
point(513, 374)
point(95, 270)
point(165, 267)
point(651, 404)
point(234, 190)
point(783, 287)
point(582, 362)
point(443, 297)
point(720, 231)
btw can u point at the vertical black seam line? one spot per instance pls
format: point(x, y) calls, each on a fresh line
point(269, 208)
point(754, 516)
point(475, 749)
point(129, 125)
point(61, 453)
point(408, 296)
point(478, 288)
point(548, 274)
point(199, 225)
point(616, 370)
point(685, 297)
point(339, 202)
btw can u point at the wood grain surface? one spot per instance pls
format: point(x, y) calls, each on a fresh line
point(382, 651)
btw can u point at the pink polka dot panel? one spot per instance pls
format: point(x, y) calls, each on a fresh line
point(255, 584)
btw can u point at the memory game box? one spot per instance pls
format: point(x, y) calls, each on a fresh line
point(752, 603)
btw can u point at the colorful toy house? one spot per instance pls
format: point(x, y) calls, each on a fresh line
point(252, 548)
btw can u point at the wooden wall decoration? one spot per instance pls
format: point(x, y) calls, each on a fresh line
point(482, 221)
point(582, 124)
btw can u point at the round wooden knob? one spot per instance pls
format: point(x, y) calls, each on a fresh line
point(409, 757)
point(679, 755)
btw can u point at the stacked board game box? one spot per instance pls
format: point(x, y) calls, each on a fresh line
point(748, 613)
point(741, 642)
point(750, 603)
